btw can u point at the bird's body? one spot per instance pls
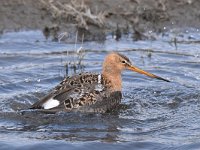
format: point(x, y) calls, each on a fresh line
point(90, 92)
point(86, 92)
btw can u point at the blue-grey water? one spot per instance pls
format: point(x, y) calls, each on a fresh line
point(154, 114)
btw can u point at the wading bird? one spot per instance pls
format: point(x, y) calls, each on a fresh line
point(91, 92)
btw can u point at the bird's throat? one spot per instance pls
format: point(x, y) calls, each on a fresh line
point(114, 80)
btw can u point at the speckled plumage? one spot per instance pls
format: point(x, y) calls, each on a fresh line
point(90, 92)
point(82, 93)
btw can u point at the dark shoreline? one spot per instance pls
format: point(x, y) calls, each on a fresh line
point(96, 18)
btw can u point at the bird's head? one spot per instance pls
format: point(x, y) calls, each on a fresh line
point(115, 63)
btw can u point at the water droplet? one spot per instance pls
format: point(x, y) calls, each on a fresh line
point(80, 49)
point(189, 1)
point(27, 80)
point(36, 90)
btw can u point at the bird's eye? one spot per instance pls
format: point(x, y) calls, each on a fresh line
point(123, 61)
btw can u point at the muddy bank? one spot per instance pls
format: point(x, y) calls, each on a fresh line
point(95, 19)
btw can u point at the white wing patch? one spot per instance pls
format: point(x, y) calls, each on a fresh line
point(51, 103)
point(99, 86)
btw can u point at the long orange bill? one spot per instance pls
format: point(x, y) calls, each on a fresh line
point(133, 68)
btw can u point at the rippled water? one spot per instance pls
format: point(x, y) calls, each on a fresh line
point(154, 114)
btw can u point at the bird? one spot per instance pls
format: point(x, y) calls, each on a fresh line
point(91, 92)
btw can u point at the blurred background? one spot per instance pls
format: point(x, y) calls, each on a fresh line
point(43, 41)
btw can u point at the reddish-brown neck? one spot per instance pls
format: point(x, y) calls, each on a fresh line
point(115, 81)
point(112, 73)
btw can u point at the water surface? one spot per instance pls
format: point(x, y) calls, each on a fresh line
point(154, 114)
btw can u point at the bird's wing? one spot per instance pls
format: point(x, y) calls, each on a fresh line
point(74, 86)
point(79, 93)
